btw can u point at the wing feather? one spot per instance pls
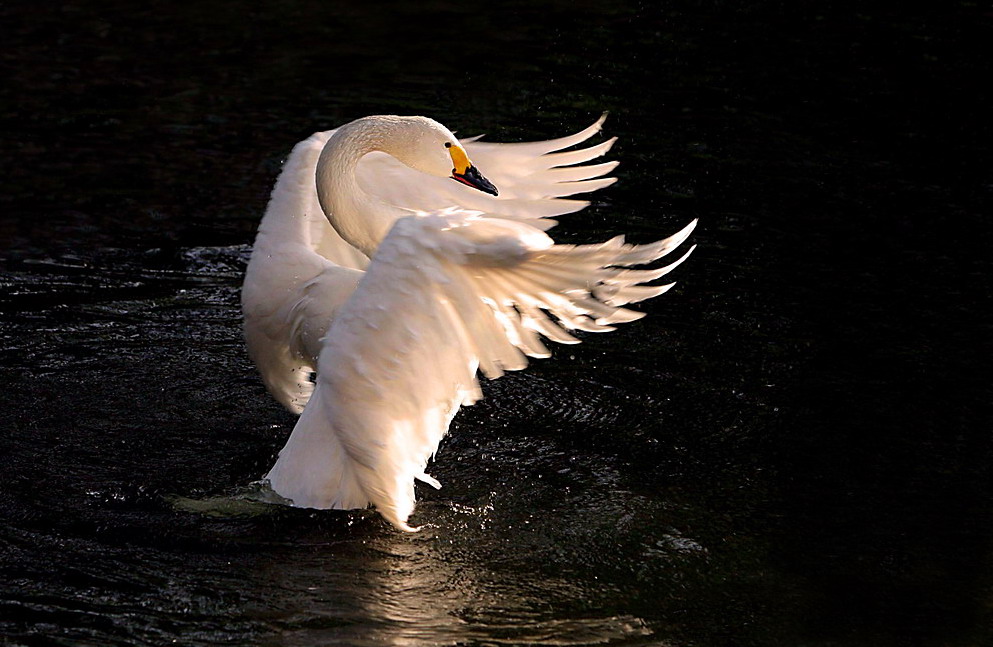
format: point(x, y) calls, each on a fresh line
point(533, 149)
point(534, 180)
point(445, 294)
point(292, 281)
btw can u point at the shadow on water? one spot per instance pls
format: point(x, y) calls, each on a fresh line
point(793, 448)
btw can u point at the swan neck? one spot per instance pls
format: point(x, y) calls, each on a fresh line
point(361, 219)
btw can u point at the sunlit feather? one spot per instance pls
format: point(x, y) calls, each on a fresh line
point(404, 284)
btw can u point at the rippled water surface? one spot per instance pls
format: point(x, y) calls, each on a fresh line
point(793, 448)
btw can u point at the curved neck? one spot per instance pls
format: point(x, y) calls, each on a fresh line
point(358, 217)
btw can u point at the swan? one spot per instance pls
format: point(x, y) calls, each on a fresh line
point(391, 268)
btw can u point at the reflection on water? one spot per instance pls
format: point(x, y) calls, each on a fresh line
point(512, 569)
point(410, 593)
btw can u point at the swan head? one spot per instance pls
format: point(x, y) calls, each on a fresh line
point(431, 148)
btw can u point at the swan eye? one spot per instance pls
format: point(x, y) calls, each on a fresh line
point(448, 144)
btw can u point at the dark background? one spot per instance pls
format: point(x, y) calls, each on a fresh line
point(793, 448)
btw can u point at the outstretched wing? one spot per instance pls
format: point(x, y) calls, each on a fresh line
point(444, 293)
point(289, 276)
point(534, 180)
point(300, 271)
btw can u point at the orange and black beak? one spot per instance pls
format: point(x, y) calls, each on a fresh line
point(472, 177)
point(468, 174)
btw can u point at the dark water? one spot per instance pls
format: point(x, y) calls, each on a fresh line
point(794, 448)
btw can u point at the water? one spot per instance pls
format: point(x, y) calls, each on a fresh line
point(793, 448)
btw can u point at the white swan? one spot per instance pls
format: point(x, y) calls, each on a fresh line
point(395, 283)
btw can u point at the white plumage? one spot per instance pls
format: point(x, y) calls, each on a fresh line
point(458, 280)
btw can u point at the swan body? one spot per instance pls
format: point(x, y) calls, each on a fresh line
point(396, 285)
